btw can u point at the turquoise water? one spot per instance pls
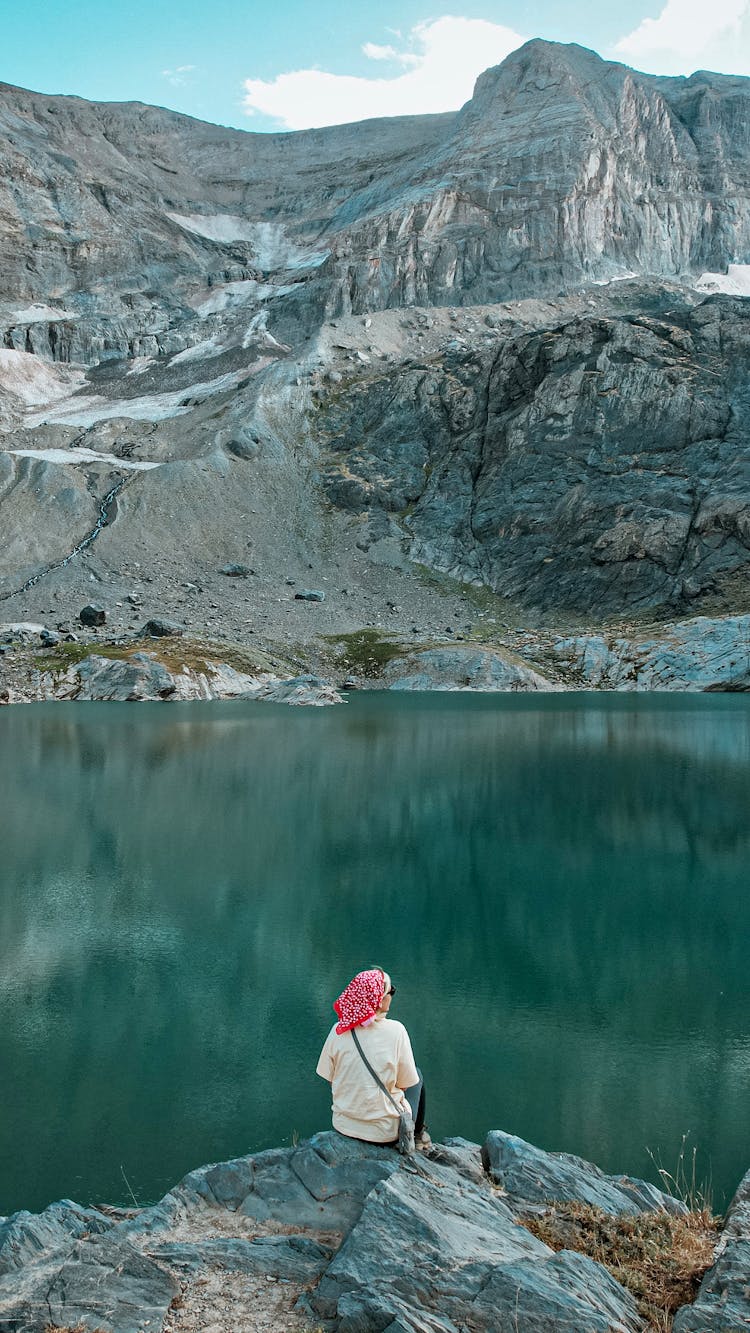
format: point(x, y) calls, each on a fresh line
point(559, 887)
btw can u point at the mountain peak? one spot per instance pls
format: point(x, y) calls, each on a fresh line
point(540, 63)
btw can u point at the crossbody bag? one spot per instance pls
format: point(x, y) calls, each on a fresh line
point(406, 1143)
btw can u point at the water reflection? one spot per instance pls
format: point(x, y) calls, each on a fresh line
point(558, 885)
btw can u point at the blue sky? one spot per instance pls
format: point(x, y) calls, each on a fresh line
point(303, 62)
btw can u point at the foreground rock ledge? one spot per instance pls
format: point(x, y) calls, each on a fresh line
point(352, 1238)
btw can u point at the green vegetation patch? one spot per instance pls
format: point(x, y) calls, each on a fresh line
point(64, 655)
point(173, 653)
point(365, 652)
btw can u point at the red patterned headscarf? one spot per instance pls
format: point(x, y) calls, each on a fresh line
point(358, 1004)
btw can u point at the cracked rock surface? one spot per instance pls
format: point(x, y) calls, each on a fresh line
point(349, 1237)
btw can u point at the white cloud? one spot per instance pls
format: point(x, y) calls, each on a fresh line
point(441, 61)
point(375, 52)
point(691, 34)
point(176, 76)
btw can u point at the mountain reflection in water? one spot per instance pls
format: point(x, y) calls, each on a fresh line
point(557, 885)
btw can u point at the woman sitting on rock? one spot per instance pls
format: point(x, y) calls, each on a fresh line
point(361, 1108)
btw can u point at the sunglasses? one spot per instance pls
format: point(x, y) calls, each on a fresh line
point(392, 991)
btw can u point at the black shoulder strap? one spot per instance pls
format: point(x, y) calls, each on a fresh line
point(379, 1081)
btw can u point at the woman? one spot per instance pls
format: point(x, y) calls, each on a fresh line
point(361, 1110)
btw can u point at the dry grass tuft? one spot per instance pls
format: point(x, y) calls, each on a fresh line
point(79, 1328)
point(660, 1259)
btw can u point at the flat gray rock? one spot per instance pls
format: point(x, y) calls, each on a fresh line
point(293, 1258)
point(531, 1176)
point(322, 1183)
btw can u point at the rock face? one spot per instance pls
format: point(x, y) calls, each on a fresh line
point(404, 341)
point(531, 1176)
point(141, 679)
point(354, 1235)
point(723, 1301)
point(594, 465)
point(696, 655)
point(351, 1237)
point(561, 167)
point(431, 1251)
point(462, 669)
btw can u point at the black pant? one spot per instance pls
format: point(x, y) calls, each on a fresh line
point(415, 1098)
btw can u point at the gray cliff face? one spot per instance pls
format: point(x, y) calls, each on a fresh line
point(594, 465)
point(562, 168)
point(356, 348)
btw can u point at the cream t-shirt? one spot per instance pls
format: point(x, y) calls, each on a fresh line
point(360, 1109)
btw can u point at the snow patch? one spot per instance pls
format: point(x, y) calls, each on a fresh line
point(35, 381)
point(257, 332)
point(209, 347)
point(83, 456)
point(140, 364)
point(735, 282)
point(231, 295)
point(223, 227)
point(617, 277)
point(88, 410)
point(39, 314)
point(272, 249)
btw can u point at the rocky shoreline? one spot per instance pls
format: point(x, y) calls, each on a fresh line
point(701, 655)
point(333, 1234)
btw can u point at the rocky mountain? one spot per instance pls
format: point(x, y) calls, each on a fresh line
point(506, 345)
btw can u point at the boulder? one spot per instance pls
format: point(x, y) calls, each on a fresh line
point(310, 595)
point(218, 681)
point(26, 1235)
point(480, 669)
point(106, 1282)
point(92, 615)
point(50, 638)
point(236, 571)
point(531, 1176)
point(136, 679)
point(158, 628)
point(302, 690)
point(323, 1183)
point(434, 1251)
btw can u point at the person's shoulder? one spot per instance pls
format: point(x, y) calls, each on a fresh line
point(332, 1035)
point(395, 1028)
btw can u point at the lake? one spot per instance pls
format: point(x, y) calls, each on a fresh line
point(557, 884)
